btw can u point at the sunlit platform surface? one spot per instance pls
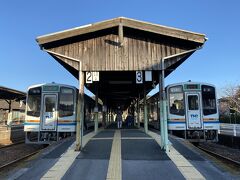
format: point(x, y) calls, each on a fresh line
point(121, 154)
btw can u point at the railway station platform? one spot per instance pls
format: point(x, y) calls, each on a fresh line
point(126, 154)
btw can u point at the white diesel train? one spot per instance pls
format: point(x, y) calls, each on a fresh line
point(192, 111)
point(51, 112)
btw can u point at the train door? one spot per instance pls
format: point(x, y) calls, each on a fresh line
point(49, 113)
point(193, 112)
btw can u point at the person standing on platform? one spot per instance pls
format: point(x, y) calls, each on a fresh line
point(119, 118)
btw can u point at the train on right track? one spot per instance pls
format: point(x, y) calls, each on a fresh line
point(191, 110)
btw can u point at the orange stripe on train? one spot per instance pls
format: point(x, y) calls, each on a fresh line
point(33, 120)
point(210, 119)
point(177, 120)
point(66, 121)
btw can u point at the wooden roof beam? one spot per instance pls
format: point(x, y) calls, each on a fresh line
point(120, 33)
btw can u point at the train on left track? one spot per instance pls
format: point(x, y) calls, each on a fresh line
point(51, 112)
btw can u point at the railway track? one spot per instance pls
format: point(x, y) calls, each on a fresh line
point(13, 153)
point(10, 145)
point(19, 159)
point(215, 154)
point(219, 156)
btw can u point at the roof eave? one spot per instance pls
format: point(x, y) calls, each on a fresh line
point(126, 22)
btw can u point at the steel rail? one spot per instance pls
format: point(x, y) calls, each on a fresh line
point(10, 145)
point(19, 159)
point(237, 163)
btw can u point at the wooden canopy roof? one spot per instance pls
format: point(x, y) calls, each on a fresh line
point(117, 48)
point(126, 22)
point(11, 94)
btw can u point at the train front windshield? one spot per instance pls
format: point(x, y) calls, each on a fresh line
point(209, 100)
point(66, 102)
point(34, 102)
point(176, 101)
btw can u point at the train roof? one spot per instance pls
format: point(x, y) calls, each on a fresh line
point(182, 83)
point(189, 82)
point(65, 85)
point(50, 84)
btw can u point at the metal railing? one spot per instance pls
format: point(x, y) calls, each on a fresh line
point(230, 129)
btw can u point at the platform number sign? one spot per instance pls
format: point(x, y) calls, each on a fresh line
point(139, 77)
point(89, 77)
point(95, 76)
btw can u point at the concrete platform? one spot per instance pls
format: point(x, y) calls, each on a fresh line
point(122, 154)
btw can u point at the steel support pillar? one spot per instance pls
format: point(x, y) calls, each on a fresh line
point(96, 113)
point(80, 110)
point(138, 114)
point(145, 112)
point(163, 109)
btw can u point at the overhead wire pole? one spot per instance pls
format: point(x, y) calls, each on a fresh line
point(163, 99)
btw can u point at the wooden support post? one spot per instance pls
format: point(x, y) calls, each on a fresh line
point(9, 120)
point(120, 34)
point(96, 112)
point(80, 110)
point(145, 112)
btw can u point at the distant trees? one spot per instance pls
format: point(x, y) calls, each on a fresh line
point(232, 97)
point(229, 105)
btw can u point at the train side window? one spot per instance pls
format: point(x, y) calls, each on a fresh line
point(209, 100)
point(34, 102)
point(176, 101)
point(66, 102)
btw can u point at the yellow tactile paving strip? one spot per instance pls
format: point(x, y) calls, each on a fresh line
point(115, 162)
point(66, 160)
point(184, 166)
point(102, 138)
point(106, 138)
point(136, 138)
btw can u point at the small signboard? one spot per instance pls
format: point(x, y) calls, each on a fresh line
point(49, 88)
point(139, 77)
point(148, 75)
point(95, 76)
point(89, 77)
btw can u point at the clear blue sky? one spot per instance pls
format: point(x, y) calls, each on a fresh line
point(22, 63)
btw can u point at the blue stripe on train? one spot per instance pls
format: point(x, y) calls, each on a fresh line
point(28, 124)
point(37, 124)
point(215, 122)
point(176, 122)
point(69, 124)
point(211, 122)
